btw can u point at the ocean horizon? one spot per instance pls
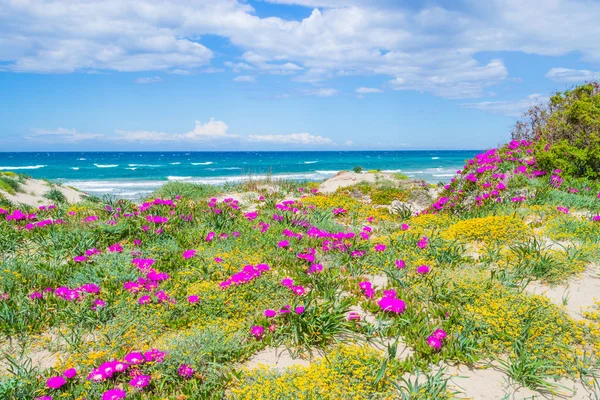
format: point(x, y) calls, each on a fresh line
point(133, 175)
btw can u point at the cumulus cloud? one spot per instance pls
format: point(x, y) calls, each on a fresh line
point(244, 78)
point(154, 79)
point(434, 48)
point(62, 135)
point(514, 108)
point(572, 75)
point(202, 132)
point(293, 138)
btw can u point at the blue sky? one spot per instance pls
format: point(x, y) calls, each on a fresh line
point(283, 74)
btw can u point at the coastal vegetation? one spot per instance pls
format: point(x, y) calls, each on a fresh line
point(378, 290)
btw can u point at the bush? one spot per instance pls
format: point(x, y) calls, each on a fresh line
point(8, 184)
point(56, 196)
point(357, 169)
point(566, 131)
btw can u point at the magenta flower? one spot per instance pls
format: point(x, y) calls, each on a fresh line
point(353, 316)
point(405, 227)
point(434, 342)
point(380, 247)
point(98, 303)
point(423, 269)
point(298, 290)
point(185, 371)
point(114, 394)
point(400, 264)
point(145, 300)
point(35, 295)
point(140, 381)
point(257, 331)
point(193, 299)
point(134, 358)
point(55, 382)
point(155, 355)
point(218, 260)
point(79, 258)
point(392, 304)
point(299, 310)
point(596, 218)
point(283, 243)
point(189, 254)
point(287, 282)
point(70, 373)
point(270, 313)
point(440, 334)
point(41, 397)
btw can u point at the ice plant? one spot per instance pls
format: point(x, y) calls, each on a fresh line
point(380, 247)
point(270, 313)
point(257, 331)
point(114, 394)
point(391, 303)
point(140, 381)
point(70, 373)
point(134, 358)
point(189, 254)
point(185, 371)
point(400, 264)
point(55, 382)
point(423, 269)
point(193, 299)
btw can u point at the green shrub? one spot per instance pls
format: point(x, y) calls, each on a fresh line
point(567, 132)
point(56, 196)
point(9, 184)
point(357, 169)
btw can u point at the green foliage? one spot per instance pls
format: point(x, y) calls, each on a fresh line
point(56, 196)
point(567, 131)
point(192, 191)
point(357, 169)
point(9, 184)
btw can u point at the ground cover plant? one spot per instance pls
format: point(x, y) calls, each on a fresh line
point(174, 297)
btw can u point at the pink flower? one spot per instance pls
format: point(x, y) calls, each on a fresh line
point(270, 313)
point(353, 316)
point(35, 295)
point(440, 334)
point(140, 381)
point(218, 260)
point(400, 264)
point(193, 299)
point(298, 290)
point(134, 358)
point(287, 282)
point(114, 394)
point(70, 373)
point(79, 258)
point(392, 304)
point(434, 342)
point(155, 355)
point(185, 371)
point(596, 218)
point(189, 254)
point(257, 331)
point(55, 382)
point(145, 300)
point(422, 269)
point(283, 243)
point(44, 398)
point(98, 303)
point(380, 247)
point(405, 227)
point(299, 310)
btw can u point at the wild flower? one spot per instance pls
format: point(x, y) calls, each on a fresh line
point(210, 236)
point(155, 355)
point(98, 303)
point(367, 289)
point(423, 269)
point(55, 382)
point(299, 310)
point(315, 268)
point(380, 247)
point(247, 274)
point(189, 254)
point(596, 218)
point(298, 290)
point(185, 371)
point(35, 295)
point(80, 258)
point(270, 313)
point(391, 303)
point(115, 248)
point(44, 398)
point(287, 282)
point(193, 299)
point(283, 244)
point(422, 243)
point(564, 210)
point(114, 394)
point(257, 331)
point(405, 227)
point(140, 381)
point(145, 300)
point(353, 316)
point(400, 264)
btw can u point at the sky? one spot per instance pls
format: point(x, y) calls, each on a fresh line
point(118, 75)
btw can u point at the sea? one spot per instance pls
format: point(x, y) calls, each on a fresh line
point(134, 175)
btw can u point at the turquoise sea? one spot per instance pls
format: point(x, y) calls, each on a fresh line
point(133, 174)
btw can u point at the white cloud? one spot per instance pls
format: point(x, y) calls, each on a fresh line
point(322, 92)
point(154, 79)
point(209, 131)
point(294, 138)
point(61, 134)
point(513, 108)
point(572, 75)
point(429, 48)
point(367, 90)
point(244, 78)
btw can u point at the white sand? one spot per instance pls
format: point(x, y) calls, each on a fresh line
point(33, 190)
point(348, 178)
